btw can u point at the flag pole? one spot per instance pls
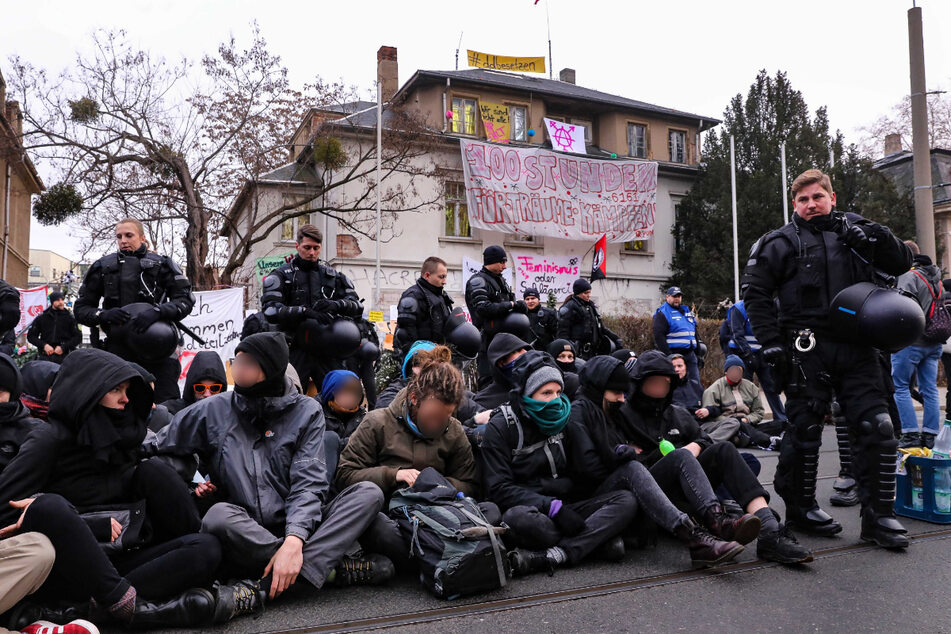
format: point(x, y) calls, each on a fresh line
point(782, 162)
point(548, 20)
point(736, 242)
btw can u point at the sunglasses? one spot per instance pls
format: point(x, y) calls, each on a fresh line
point(214, 388)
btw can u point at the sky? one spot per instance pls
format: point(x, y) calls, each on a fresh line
point(692, 55)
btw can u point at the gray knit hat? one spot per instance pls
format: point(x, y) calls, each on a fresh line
point(541, 376)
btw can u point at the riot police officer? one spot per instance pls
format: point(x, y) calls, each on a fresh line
point(580, 322)
point(135, 275)
point(543, 320)
point(424, 308)
point(305, 289)
point(490, 301)
point(806, 264)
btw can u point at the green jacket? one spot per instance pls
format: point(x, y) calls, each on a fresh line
point(719, 399)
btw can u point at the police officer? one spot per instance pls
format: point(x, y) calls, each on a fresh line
point(675, 331)
point(543, 320)
point(745, 345)
point(580, 322)
point(490, 300)
point(305, 288)
point(9, 316)
point(424, 308)
point(132, 275)
point(805, 264)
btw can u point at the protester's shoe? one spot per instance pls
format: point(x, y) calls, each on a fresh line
point(883, 530)
point(192, 608)
point(732, 508)
point(743, 529)
point(525, 562)
point(927, 440)
point(611, 550)
point(909, 440)
point(706, 551)
point(916, 395)
point(369, 569)
point(845, 492)
point(774, 443)
point(815, 521)
point(781, 546)
point(79, 626)
point(238, 598)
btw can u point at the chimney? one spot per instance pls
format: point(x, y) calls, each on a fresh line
point(567, 75)
point(15, 117)
point(892, 143)
point(386, 71)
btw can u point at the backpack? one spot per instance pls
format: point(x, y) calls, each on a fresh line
point(457, 550)
point(938, 322)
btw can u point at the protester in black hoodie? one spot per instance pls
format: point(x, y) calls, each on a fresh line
point(54, 332)
point(529, 473)
point(87, 456)
point(503, 353)
point(38, 377)
point(688, 465)
point(206, 377)
point(15, 420)
point(608, 464)
point(567, 359)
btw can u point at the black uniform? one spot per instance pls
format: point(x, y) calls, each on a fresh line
point(805, 266)
point(580, 322)
point(9, 316)
point(54, 328)
point(489, 300)
point(301, 289)
point(120, 279)
point(422, 315)
point(544, 322)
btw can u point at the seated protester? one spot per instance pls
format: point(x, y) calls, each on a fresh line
point(697, 464)
point(341, 396)
point(16, 422)
point(391, 446)
point(206, 377)
point(87, 457)
point(159, 416)
point(502, 354)
point(263, 444)
point(25, 563)
point(529, 473)
point(410, 365)
point(570, 364)
point(735, 407)
point(687, 392)
point(624, 355)
point(609, 464)
point(38, 377)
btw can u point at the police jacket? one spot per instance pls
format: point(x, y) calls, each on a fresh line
point(488, 297)
point(580, 323)
point(299, 285)
point(422, 314)
point(544, 324)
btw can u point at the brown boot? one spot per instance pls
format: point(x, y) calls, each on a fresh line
point(706, 551)
point(742, 529)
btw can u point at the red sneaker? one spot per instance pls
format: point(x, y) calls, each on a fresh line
point(74, 627)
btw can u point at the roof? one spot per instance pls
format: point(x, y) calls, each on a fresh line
point(905, 155)
point(291, 175)
point(550, 87)
point(348, 107)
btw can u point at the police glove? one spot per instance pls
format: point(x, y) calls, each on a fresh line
point(145, 319)
point(775, 356)
point(520, 307)
point(852, 236)
point(324, 306)
point(322, 318)
point(114, 316)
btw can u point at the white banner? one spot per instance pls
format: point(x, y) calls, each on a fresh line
point(217, 317)
point(534, 191)
point(470, 267)
point(33, 301)
point(565, 137)
point(547, 273)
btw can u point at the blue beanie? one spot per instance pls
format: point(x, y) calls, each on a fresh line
point(333, 381)
point(733, 360)
point(413, 349)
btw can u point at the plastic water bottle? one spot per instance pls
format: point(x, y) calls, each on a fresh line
point(942, 476)
point(665, 447)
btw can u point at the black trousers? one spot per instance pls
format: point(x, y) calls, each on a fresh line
point(606, 516)
point(312, 367)
point(83, 571)
point(166, 371)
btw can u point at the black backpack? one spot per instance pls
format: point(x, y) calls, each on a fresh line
point(457, 550)
point(938, 319)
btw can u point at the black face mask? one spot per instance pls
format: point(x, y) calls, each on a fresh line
point(825, 222)
point(7, 410)
point(613, 409)
point(268, 387)
point(566, 366)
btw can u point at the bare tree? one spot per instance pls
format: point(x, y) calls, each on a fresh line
point(899, 122)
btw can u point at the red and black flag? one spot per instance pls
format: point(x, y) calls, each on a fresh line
point(599, 263)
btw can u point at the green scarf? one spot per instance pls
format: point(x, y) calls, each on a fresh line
point(550, 416)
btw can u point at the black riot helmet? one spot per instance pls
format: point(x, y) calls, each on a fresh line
point(464, 338)
point(368, 351)
point(517, 324)
point(883, 318)
point(154, 343)
point(338, 340)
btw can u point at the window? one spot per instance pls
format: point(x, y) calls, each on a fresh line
point(588, 128)
point(678, 146)
point(518, 121)
point(457, 211)
point(35, 271)
point(290, 225)
point(464, 114)
point(638, 246)
point(678, 239)
point(637, 140)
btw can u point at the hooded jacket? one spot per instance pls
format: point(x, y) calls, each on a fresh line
point(265, 454)
point(83, 454)
point(497, 392)
point(645, 421)
point(15, 420)
point(38, 377)
point(206, 366)
point(384, 443)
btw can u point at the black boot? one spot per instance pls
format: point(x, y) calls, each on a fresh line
point(886, 531)
point(192, 608)
point(845, 489)
point(812, 521)
point(706, 551)
point(880, 453)
point(743, 529)
point(611, 550)
point(781, 546)
point(238, 598)
point(525, 562)
point(367, 570)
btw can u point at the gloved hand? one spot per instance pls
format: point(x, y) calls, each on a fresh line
point(520, 307)
point(322, 318)
point(114, 316)
point(145, 319)
point(568, 522)
point(852, 235)
point(775, 356)
point(323, 305)
point(625, 452)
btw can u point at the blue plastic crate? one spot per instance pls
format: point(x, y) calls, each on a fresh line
point(903, 502)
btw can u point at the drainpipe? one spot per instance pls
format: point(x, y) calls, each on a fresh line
point(445, 120)
point(6, 222)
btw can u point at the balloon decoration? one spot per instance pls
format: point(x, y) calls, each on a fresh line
point(613, 154)
point(531, 132)
point(449, 114)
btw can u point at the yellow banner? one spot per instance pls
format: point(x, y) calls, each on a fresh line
point(495, 118)
point(503, 62)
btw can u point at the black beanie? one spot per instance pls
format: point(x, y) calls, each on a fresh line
point(620, 380)
point(55, 295)
point(269, 349)
point(493, 255)
point(580, 286)
point(530, 292)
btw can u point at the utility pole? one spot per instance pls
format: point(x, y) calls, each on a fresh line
point(921, 151)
